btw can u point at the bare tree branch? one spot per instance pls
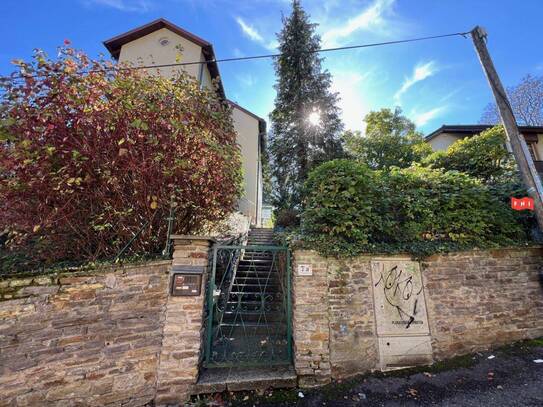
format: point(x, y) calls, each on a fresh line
point(527, 101)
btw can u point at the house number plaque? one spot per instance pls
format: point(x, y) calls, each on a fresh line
point(305, 270)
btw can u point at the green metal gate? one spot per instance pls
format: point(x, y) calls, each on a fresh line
point(248, 320)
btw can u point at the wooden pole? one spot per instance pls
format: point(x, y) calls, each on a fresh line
point(528, 173)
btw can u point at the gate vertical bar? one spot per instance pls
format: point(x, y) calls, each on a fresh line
point(289, 308)
point(210, 306)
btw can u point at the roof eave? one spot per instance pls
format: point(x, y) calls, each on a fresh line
point(213, 68)
point(114, 45)
point(477, 128)
point(260, 119)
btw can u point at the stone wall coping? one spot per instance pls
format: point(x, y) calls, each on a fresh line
point(383, 256)
point(86, 271)
point(193, 237)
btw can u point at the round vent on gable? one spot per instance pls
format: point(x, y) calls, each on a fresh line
point(164, 41)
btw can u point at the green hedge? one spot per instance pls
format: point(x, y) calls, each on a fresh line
point(339, 203)
point(350, 209)
point(482, 156)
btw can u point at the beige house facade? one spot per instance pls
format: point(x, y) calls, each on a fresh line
point(165, 45)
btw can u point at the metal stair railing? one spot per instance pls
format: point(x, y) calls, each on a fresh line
point(230, 272)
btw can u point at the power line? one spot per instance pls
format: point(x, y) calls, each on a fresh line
point(264, 56)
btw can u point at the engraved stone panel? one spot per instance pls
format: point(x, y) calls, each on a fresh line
point(400, 308)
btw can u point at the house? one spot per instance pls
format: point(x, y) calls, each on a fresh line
point(446, 135)
point(164, 45)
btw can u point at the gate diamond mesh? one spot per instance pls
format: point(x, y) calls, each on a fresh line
point(248, 307)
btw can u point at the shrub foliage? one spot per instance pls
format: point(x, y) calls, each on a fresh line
point(90, 153)
point(287, 219)
point(351, 209)
point(482, 156)
point(339, 205)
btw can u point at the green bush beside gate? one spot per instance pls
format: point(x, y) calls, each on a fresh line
point(350, 209)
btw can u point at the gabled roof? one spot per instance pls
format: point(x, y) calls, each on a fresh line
point(114, 44)
point(472, 129)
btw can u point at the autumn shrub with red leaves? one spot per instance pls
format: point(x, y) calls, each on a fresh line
point(91, 152)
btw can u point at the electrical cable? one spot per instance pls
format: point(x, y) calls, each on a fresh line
point(264, 56)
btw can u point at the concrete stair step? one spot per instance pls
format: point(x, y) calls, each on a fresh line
point(256, 267)
point(248, 274)
point(256, 280)
point(259, 270)
point(248, 293)
point(265, 288)
point(262, 275)
point(275, 325)
point(217, 380)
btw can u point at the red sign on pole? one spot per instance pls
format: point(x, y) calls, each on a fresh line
point(520, 204)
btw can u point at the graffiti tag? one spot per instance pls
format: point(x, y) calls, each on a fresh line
point(400, 292)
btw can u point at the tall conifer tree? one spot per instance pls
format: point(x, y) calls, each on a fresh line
point(305, 121)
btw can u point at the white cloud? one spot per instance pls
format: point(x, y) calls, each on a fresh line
point(140, 6)
point(249, 31)
point(420, 73)
point(370, 19)
point(423, 118)
point(253, 34)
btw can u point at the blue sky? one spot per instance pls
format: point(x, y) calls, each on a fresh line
point(435, 82)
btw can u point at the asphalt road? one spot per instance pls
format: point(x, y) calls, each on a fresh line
point(510, 378)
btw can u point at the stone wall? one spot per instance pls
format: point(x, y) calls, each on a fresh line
point(310, 321)
point(116, 337)
point(483, 298)
point(352, 340)
point(113, 336)
point(88, 338)
point(181, 350)
point(475, 300)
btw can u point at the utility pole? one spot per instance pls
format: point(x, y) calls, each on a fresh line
point(528, 173)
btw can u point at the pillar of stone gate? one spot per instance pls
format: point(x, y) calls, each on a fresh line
point(180, 354)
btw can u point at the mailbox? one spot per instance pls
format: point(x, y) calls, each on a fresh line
point(186, 281)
